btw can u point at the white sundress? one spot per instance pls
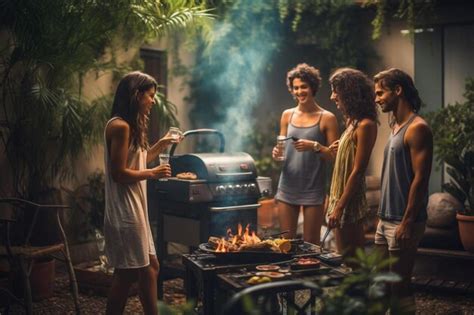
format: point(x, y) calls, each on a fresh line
point(127, 232)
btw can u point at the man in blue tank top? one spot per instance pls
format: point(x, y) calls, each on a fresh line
point(405, 176)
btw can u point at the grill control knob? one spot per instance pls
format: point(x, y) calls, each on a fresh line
point(252, 187)
point(220, 189)
point(238, 188)
point(230, 188)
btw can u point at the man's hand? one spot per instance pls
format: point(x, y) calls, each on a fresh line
point(404, 235)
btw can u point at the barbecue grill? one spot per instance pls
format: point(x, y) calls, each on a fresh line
point(225, 193)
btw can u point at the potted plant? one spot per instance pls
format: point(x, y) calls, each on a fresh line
point(453, 132)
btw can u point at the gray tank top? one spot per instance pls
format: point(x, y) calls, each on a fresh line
point(397, 176)
point(303, 178)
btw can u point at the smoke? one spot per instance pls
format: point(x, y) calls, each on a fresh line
point(245, 42)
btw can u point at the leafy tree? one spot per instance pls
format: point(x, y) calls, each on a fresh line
point(46, 50)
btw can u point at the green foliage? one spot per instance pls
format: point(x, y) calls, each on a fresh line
point(453, 133)
point(88, 205)
point(47, 48)
point(185, 309)
point(364, 290)
point(409, 10)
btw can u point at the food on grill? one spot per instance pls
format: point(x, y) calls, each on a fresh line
point(306, 263)
point(186, 175)
point(263, 246)
point(257, 279)
point(248, 242)
point(283, 244)
point(267, 267)
point(270, 274)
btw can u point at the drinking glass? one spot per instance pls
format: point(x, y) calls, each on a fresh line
point(281, 148)
point(164, 158)
point(175, 133)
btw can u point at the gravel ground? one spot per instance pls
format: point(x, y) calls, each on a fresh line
point(61, 302)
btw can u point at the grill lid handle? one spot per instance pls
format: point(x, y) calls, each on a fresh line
point(202, 132)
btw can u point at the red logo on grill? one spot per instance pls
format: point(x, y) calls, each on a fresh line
point(244, 167)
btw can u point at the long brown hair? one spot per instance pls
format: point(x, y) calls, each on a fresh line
point(125, 105)
point(356, 92)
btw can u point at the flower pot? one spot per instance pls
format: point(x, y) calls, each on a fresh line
point(42, 277)
point(267, 213)
point(466, 231)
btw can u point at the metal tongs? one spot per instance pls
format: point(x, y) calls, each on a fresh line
point(321, 245)
point(276, 234)
point(291, 137)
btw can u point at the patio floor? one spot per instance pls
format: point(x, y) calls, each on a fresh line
point(428, 302)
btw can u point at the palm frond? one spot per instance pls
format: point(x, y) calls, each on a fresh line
point(162, 18)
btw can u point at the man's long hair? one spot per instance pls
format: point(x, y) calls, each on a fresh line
point(125, 105)
point(356, 91)
point(390, 78)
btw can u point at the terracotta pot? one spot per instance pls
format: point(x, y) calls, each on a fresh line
point(267, 212)
point(466, 231)
point(42, 277)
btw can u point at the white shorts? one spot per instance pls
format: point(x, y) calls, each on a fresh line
point(385, 234)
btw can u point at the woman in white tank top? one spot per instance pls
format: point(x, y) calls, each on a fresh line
point(128, 240)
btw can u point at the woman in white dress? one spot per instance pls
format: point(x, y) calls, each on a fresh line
point(128, 240)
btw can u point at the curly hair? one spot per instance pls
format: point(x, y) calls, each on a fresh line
point(305, 73)
point(125, 105)
point(392, 77)
point(356, 92)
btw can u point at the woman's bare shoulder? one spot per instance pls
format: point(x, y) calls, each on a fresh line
point(367, 123)
point(285, 116)
point(328, 116)
point(117, 127)
point(288, 112)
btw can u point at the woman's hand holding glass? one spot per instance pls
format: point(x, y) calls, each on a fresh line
point(174, 135)
point(161, 171)
point(276, 153)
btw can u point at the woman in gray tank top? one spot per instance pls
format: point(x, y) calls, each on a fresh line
point(303, 180)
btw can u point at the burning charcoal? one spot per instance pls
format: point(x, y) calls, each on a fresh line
point(214, 241)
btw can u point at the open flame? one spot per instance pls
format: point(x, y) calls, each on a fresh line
point(233, 242)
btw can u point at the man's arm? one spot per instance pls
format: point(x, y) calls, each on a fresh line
point(420, 143)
